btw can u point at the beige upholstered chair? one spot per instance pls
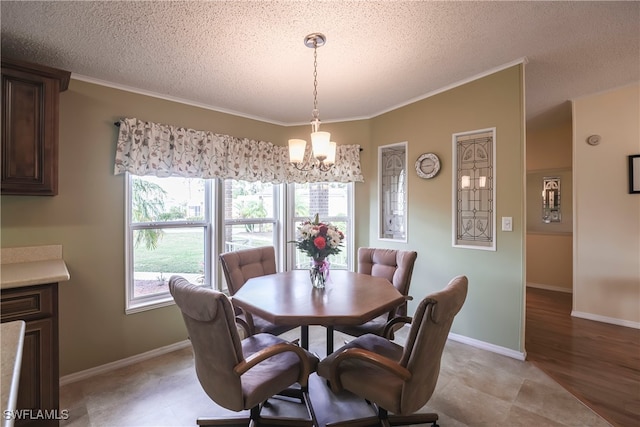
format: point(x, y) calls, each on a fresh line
point(399, 380)
point(395, 266)
point(240, 266)
point(236, 374)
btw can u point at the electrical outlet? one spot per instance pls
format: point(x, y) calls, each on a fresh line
point(507, 223)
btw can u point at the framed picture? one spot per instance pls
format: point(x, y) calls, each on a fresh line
point(392, 192)
point(634, 173)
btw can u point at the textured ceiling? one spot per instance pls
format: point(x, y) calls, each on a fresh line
point(248, 57)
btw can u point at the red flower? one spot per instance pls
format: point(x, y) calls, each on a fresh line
point(320, 242)
point(323, 230)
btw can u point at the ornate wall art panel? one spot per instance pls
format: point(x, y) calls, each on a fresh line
point(392, 185)
point(474, 221)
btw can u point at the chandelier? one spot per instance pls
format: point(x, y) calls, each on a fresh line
point(323, 153)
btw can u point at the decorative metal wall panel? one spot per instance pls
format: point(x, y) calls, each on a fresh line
point(474, 189)
point(392, 175)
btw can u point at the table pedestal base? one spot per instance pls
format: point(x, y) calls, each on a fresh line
point(304, 338)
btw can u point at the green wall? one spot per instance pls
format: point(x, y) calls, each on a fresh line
point(87, 217)
point(493, 312)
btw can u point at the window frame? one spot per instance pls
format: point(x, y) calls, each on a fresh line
point(213, 225)
point(137, 304)
point(276, 221)
point(292, 219)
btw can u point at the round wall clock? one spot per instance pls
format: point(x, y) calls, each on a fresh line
point(427, 165)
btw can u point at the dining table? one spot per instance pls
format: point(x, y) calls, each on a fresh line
point(288, 298)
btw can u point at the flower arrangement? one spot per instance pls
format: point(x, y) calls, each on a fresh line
point(318, 239)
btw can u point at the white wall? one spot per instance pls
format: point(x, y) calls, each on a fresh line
point(607, 222)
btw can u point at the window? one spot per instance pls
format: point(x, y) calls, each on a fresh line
point(251, 215)
point(168, 227)
point(181, 225)
point(332, 201)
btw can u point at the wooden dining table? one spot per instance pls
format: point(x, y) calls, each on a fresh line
point(288, 298)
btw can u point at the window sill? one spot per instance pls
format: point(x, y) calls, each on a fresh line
point(140, 306)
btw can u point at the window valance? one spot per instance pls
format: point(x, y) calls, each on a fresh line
point(146, 148)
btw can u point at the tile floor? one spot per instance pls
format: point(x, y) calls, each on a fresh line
point(475, 388)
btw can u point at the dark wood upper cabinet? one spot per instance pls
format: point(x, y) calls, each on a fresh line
point(30, 114)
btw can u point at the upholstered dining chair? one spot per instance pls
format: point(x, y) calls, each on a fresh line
point(242, 265)
point(397, 267)
point(395, 379)
point(240, 374)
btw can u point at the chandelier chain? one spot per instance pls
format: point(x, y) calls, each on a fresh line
point(315, 111)
point(317, 160)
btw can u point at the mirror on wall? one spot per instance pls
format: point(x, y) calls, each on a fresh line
point(551, 199)
point(392, 185)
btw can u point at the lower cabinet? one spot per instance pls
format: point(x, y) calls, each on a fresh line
point(38, 390)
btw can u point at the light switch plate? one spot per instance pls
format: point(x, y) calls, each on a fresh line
point(507, 223)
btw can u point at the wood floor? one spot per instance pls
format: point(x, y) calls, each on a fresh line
point(597, 362)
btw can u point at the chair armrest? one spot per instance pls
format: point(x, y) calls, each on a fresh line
point(266, 353)
point(248, 319)
point(389, 327)
point(245, 326)
point(394, 312)
point(367, 356)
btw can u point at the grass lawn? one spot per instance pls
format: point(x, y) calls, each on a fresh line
point(178, 251)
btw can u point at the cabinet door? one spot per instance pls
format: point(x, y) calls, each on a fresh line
point(38, 388)
point(29, 133)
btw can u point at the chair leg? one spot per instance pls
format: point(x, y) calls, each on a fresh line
point(255, 415)
point(383, 416)
point(373, 421)
point(228, 422)
point(294, 393)
point(259, 418)
point(405, 420)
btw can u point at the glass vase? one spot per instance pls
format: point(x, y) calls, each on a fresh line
point(318, 273)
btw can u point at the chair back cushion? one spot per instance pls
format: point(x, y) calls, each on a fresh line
point(209, 318)
point(394, 265)
point(428, 335)
point(240, 266)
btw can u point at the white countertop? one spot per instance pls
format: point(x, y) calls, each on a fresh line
point(33, 273)
point(34, 265)
point(11, 359)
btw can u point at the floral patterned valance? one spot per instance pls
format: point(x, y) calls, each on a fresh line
point(146, 148)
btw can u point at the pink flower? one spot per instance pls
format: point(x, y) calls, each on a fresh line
point(320, 242)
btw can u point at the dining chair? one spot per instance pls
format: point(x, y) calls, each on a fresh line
point(241, 374)
point(398, 380)
point(397, 267)
point(242, 265)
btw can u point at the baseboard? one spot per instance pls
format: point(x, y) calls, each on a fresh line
point(549, 287)
point(87, 373)
point(605, 319)
point(489, 347)
point(77, 376)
